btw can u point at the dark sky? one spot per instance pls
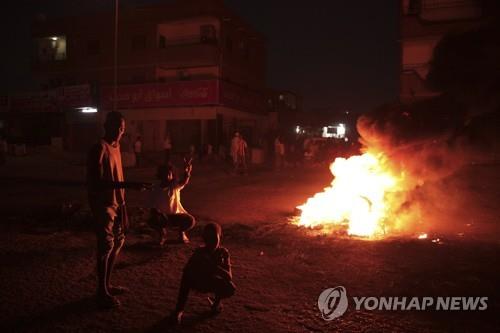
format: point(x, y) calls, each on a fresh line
point(336, 54)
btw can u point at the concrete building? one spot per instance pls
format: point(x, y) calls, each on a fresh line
point(284, 108)
point(190, 68)
point(423, 23)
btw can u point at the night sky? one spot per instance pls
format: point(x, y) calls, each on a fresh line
point(337, 55)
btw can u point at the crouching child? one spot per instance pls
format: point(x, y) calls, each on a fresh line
point(167, 211)
point(207, 271)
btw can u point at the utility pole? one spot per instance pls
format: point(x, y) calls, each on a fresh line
point(115, 64)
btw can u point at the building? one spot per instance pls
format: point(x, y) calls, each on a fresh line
point(189, 68)
point(423, 23)
point(284, 108)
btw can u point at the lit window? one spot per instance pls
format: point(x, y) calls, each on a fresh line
point(341, 130)
point(52, 48)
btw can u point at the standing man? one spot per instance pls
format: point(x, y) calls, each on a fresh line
point(138, 151)
point(279, 153)
point(106, 190)
point(235, 149)
point(242, 155)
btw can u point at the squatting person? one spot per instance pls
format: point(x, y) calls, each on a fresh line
point(209, 271)
point(167, 211)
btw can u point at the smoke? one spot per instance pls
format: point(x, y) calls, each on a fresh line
point(426, 143)
point(439, 142)
point(421, 138)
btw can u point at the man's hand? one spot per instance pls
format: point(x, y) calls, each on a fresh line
point(188, 166)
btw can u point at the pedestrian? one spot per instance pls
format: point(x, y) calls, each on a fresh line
point(210, 152)
point(138, 151)
point(207, 271)
point(235, 149)
point(242, 156)
point(279, 153)
point(167, 148)
point(106, 193)
point(167, 210)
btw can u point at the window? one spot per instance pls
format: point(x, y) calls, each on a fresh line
point(70, 81)
point(162, 42)
point(414, 7)
point(183, 75)
point(138, 78)
point(94, 47)
point(207, 33)
point(55, 82)
point(229, 44)
point(51, 48)
point(245, 51)
point(139, 42)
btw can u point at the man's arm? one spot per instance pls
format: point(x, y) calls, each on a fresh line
point(95, 173)
point(224, 269)
point(187, 174)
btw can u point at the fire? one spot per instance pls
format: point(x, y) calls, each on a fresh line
point(361, 196)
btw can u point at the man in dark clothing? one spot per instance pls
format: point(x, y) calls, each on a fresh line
point(208, 271)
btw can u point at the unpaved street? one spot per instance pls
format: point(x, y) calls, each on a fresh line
point(48, 276)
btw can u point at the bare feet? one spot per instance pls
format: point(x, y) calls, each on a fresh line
point(107, 301)
point(183, 238)
point(176, 318)
point(215, 305)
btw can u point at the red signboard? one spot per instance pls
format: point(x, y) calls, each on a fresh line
point(52, 100)
point(181, 93)
point(74, 96)
point(240, 98)
point(34, 102)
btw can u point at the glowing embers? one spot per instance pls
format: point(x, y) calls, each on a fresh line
point(359, 197)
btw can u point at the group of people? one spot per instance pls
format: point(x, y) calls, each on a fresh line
point(167, 148)
point(209, 268)
point(310, 151)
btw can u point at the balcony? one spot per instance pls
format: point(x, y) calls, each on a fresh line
point(188, 55)
point(450, 10)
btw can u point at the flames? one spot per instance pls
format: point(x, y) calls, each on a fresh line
point(367, 195)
